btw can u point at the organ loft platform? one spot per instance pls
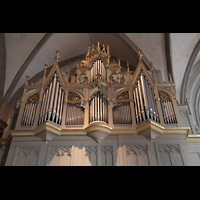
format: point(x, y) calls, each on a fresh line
point(100, 112)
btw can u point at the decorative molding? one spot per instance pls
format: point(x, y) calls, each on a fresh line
point(184, 113)
point(91, 150)
point(25, 151)
point(163, 95)
point(72, 96)
point(34, 98)
point(106, 150)
point(136, 150)
point(169, 149)
point(61, 151)
point(123, 96)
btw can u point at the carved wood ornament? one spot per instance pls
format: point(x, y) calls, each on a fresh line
point(72, 96)
point(34, 98)
point(163, 95)
point(123, 96)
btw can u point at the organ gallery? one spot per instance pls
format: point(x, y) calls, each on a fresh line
point(101, 112)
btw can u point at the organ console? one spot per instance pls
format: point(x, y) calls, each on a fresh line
point(100, 91)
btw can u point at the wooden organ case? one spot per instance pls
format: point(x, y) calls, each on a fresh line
point(102, 99)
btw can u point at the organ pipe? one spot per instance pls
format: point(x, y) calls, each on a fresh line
point(75, 115)
point(167, 108)
point(98, 68)
point(122, 114)
point(98, 108)
point(52, 102)
point(144, 100)
point(30, 110)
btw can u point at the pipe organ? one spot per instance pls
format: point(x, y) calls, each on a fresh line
point(133, 98)
point(167, 108)
point(98, 108)
point(112, 113)
point(29, 110)
point(98, 71)
point(75, 114)
point(52, 102)
point(144, 100)
point(122, 113)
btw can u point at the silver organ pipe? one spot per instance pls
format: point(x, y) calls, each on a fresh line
point(168, 112)
point(98, 68)
point(98, 108)
point(47, 103)
point(52, 97)
point(75, 114)
point(58, 108)
point(144, 100)
point(55, 102)
point(167, 108)
point(52, 102)
point(30, 110)
point(122, 113)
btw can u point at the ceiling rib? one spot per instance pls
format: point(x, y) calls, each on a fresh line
point(19, 74)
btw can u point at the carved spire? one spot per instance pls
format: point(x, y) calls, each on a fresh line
point(89, 46)
point(98, 45)
point(140, 55)
point(119, 61)
point(45, 70)
point(57, 57)
point(127, 64)
point(108, 48)
point(27, 77)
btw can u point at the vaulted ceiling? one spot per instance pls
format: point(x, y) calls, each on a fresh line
point(24, 54)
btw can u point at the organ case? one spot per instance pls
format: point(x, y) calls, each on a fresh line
point(98, 85)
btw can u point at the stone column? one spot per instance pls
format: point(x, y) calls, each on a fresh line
point(3, 125)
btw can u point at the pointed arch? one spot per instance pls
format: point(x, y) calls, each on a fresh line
point(80, 93)
point(188, 72)
point(55, 68)
point(141, 66)
point(167, 105)
point(119, 91)
point(30, 93)
point(96, 90)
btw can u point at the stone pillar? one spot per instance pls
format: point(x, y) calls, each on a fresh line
point(3, 125)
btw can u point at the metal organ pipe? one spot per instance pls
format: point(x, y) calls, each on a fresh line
point(121, 114)
point(29, 111)
point(58, 108)
point(52, 97)
point(52, 102)
point(75, 115)
point(144, 100)
point(98, 108)
point(98, 67)
point(47, 104)
point(146, 103)
point(55, 101)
